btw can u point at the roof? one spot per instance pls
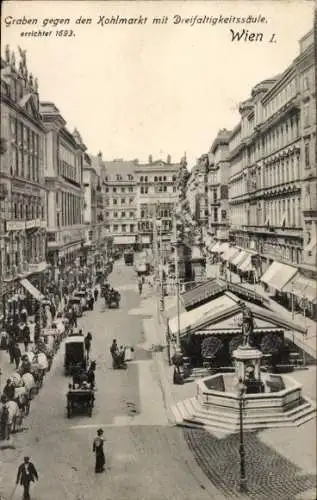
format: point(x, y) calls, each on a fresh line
point(203, 292)
point(222, 308)
point(75, 338)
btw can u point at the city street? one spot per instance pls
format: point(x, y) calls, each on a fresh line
point(146, 458)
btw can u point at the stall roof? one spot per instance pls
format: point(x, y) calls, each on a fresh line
point(222, 309)
point(246, 264)
point(203, 292)
point(239, 258)
point(203, 315)
point(230, 254)
point(278, 275)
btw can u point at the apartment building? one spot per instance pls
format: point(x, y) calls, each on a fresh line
point(272, 180)
point(156, 195)
point(64, 184)
point(23, 195)
point(120, 192)
point(217, 187)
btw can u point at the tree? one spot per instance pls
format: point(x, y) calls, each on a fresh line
point(272, 344)
point(211, 346)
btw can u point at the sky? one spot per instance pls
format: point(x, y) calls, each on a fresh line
point(140, 89)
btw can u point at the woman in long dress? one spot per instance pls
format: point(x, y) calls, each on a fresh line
point(99, 453)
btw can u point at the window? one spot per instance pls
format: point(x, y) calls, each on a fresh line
point(130, 201)
point(141, 178)
point(115, 202)
point(131, 214)
point(124, 228)
point(114, 189)
point(155, 179)
point(122, 190)
point(223, 214)
point(142, 214)
point(131, 228)
point(164, 188)
point(122, 201)
point(130, 177)
point(115, 228)
point(306, 120)
point(115, 214)
point(119, 178)
point(164, 178)
point(107, 214)
point(145, 178)
point(142, 190)
point(307, 155)
point(107, 190)
point(174, 189)
point(122, 214)
point(130, 189)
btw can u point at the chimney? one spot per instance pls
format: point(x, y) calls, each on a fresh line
point(100, 155)
point(150, 159)
point(169, 159)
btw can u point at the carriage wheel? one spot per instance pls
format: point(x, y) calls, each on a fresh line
point(69, 411)
point(27, 408)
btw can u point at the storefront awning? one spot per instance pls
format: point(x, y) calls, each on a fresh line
point(124, 240)
point(31, 289)
point(238, 259)
point(246, 264)
point(230, 254)
point(223, 247)
point(278, 275)
point(301, 287)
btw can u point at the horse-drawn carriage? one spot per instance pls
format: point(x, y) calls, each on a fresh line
point(112, 298)
point(80, 400)
point(75, 356)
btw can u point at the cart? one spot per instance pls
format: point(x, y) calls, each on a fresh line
point(80, 401)
point(75, 355)
point(113, 299)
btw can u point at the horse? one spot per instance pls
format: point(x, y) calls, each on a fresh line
point(29, 384)
point(13, 415)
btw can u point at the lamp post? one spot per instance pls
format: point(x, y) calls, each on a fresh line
point(243, 481)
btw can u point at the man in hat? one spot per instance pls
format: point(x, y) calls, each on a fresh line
point(99, 453)
point(27, 473)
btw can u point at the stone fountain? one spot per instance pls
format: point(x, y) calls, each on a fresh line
point(269, 400)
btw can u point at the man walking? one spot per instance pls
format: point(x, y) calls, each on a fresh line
point(27, 473)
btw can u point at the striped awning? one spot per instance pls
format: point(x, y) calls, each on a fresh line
point(239, 258)
point(246, 264)
point(203, 292)
point(302, 287)
point(231, 254)
point(278, 275)
point(32, 289)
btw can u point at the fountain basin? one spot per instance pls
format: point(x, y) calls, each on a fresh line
point(217, 404)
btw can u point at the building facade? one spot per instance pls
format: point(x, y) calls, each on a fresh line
point(217, 187)
point(156, 195)
point(119, 185)
point(92, 199)
point(64, 183)
point(23, 194)
point(272, 154)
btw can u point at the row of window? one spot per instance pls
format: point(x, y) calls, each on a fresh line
point(69, 171)
point(119, 177)
point(123, 228)
point(27, 210)
point(128, 189)
point(122, 214)
point(123, 201)
point(25, 151)
point(71, 212)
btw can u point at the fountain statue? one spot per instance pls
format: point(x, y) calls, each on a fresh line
point(247, 357)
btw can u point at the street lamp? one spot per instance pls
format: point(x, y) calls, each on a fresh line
point(243, 481)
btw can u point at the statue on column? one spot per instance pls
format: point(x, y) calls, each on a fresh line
point(13, 60)
point(247, 327)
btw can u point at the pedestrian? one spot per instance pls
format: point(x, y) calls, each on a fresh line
point(96, 294)
point(11, 345)
point(17, 354)
point(26, 336)
point(99, 453)
point(140, 287)
point(27, 473)
point(9, 390)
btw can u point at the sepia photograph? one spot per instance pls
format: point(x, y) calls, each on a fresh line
point(158, 250)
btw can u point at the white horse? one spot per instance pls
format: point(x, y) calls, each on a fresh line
point(28, 381)
point(42, 360)
point(16, 380)
point(13, 415)
point(30, 355)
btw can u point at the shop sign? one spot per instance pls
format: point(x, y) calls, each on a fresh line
point(33, 223)
point(15, 225)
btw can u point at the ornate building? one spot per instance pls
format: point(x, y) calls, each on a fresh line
point(64, 183)
point(23, 194)
point(273, 166)
point(156, 198)
point(92, 201)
